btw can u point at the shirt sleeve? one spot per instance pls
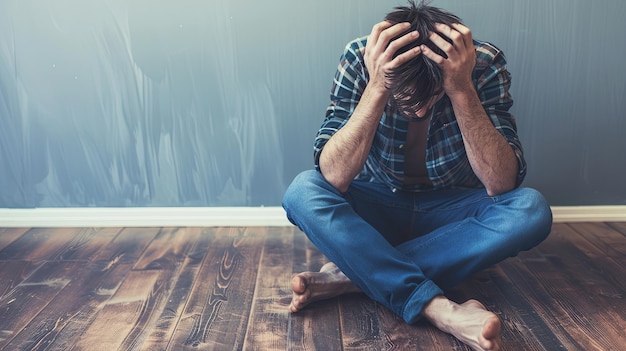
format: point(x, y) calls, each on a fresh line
point(348, 85)
point(493, 84)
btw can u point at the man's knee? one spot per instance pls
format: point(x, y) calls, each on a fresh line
point(301, 184)
point(537, 206)
point(534, 213)
point(303, 192)
point(294, 191)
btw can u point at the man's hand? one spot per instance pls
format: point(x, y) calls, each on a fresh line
point(458, 66)
point(488, 152)
point(381, 49)
point(346, 151)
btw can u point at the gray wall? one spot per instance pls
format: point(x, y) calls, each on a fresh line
point(216, 102)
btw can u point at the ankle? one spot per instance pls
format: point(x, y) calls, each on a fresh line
point(438, 310)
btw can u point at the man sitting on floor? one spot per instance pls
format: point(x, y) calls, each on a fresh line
point(418, 168)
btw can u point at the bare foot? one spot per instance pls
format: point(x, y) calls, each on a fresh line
point(469, 322)
point(309, 287)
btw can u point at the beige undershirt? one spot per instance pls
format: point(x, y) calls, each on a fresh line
point(415, 153)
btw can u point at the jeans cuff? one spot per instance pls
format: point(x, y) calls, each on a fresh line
point(418, 299)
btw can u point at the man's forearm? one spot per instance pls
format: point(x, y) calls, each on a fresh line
point(346, 151)
point(490, 155)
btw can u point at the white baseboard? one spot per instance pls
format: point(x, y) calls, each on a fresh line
point(144, 217)
point(220, 216)
point(589, 213)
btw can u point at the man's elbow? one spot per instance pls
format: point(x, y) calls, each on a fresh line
point(337, 182)
point(337, 176)
point(500, 188)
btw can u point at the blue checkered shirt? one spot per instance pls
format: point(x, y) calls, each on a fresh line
point(446, 160)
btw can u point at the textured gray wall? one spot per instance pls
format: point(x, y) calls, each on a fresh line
point(216, 102)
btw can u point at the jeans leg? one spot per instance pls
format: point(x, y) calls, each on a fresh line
point(479, 231)
point(456, 233)
point(361, 252)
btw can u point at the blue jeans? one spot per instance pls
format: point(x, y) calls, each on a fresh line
point(404, 248)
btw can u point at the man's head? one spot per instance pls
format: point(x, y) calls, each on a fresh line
point(417, 82)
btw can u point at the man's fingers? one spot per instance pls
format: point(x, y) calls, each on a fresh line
point(433, 56)
point(441, 43)
point(460, 35)
point(388, 34)
point(406, 56)
point(401, 42)
point(387, 39)
point(466, 33)
point(376, 30)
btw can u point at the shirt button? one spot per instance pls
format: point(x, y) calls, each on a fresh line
point(401, 146)
point(394, 190)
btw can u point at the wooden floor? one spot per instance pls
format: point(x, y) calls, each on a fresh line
point(228, 289)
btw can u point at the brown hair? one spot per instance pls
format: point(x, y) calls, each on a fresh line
point(415, 82)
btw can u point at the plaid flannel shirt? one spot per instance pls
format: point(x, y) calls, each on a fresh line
point(446, 160)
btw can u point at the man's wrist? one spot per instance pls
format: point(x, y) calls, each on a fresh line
point(464, 96)
point(376, 94)
point(377, 89)
point(462, 90)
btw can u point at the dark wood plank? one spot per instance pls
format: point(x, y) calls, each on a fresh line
point(25, 301)
point(609, 241)
point(163, 328)
point(521, 327)
point(235, 286)
point(398, 335)
point(168, 249)
point(597, 264)
point(12, 273)
point(619, 226)
point(225, 274)
point(540, 312)
point(87, 243)
point(9, 235)
point(126, 247)
point(120, 313)
point(59, 325)
point(41, 244)
point(90, 286)
point(229, 288)
point(360, 323)
point(576, 286)
point(317, 327)
point(189, 325)
point(165, 254)
point(269, 317)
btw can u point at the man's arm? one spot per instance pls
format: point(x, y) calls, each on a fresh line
point(490, 155)
point(345, 153)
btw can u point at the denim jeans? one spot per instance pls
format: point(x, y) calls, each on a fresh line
point(404, 248)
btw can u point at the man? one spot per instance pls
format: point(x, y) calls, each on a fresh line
point(418, 168)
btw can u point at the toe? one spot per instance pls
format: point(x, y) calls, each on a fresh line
point(298, 284)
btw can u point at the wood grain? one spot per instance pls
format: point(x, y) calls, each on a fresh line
point(229, 289)
point(360, 323)
point(222, 291)
point(234, 288)
point(27, 299)
point(41, 244)
point(9, 235)
point(13, 272)
point(121, 313)
point(163, 329)
point(59, 325)
point(269, 317)
point(317, 327)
